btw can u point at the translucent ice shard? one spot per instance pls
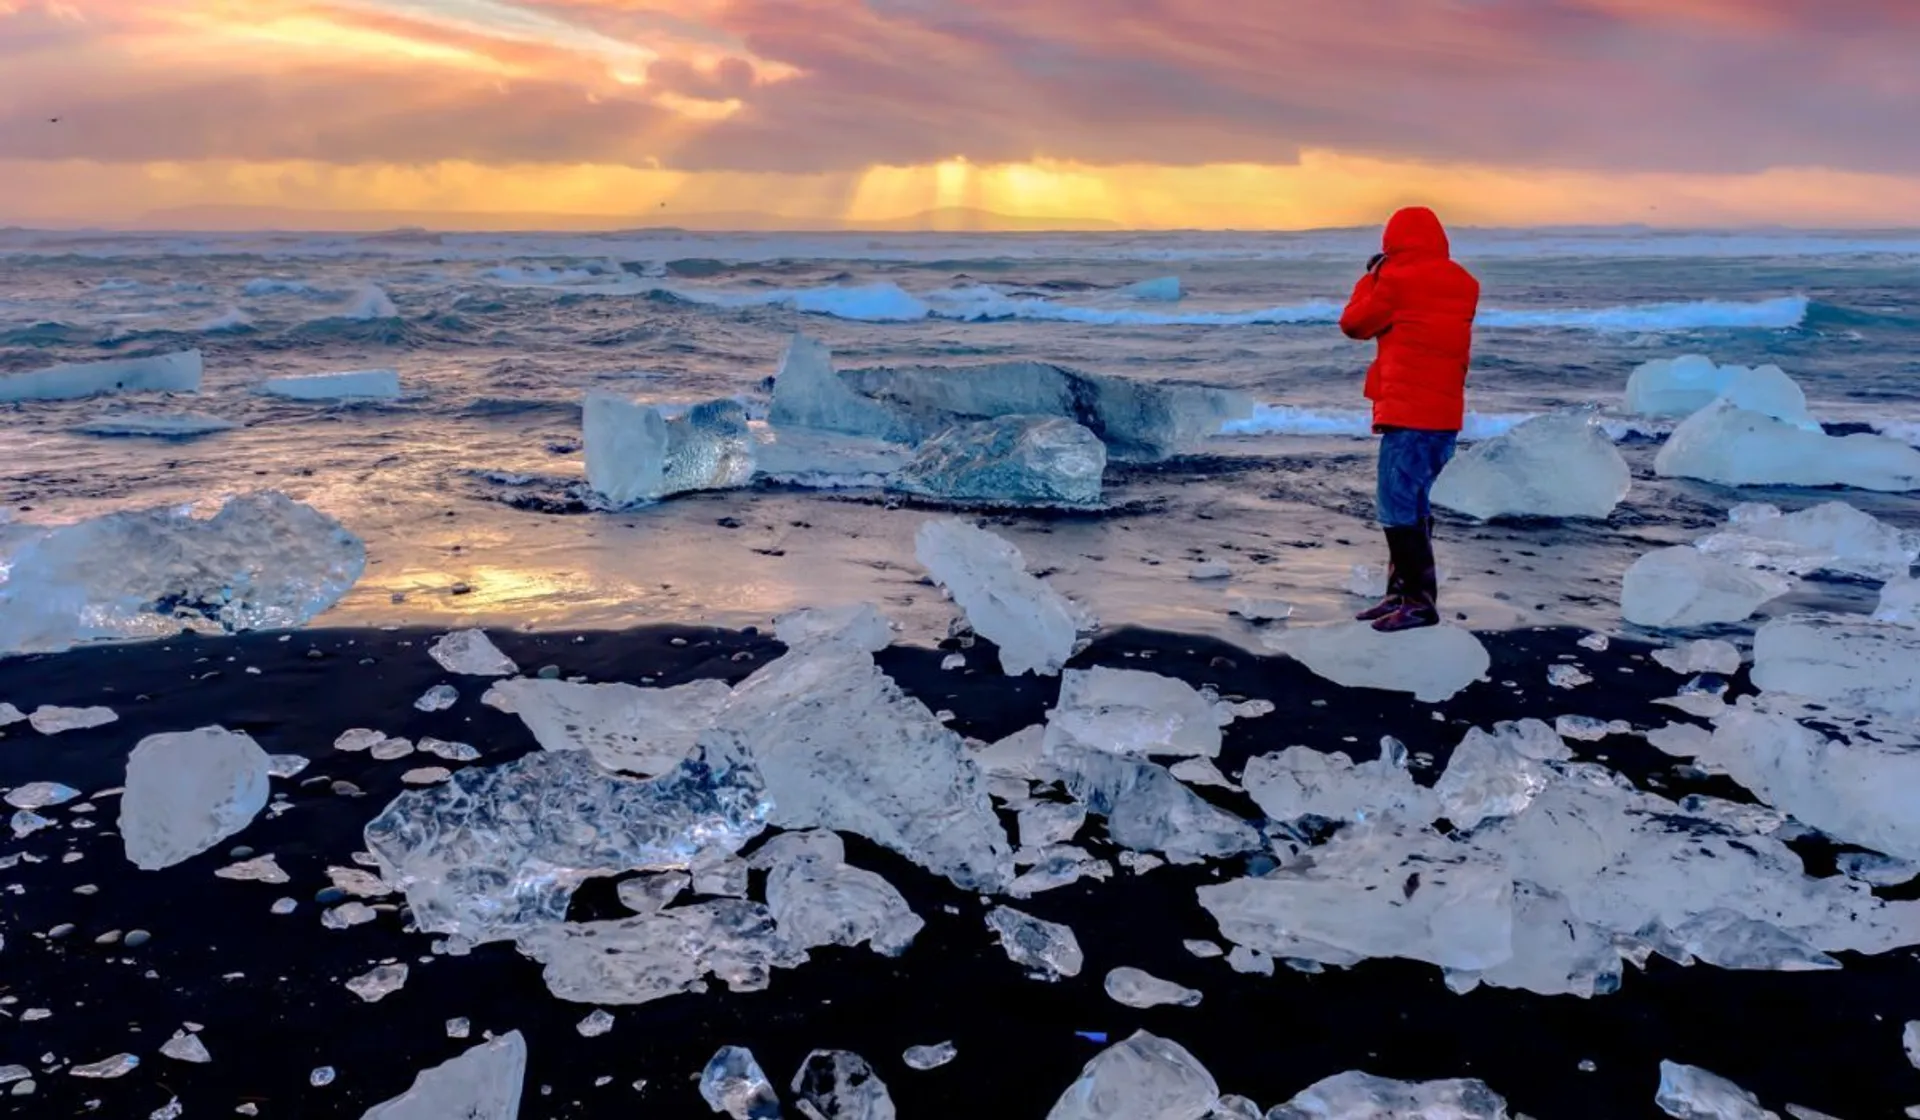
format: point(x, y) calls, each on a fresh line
point(1149, 810)
point(184, 1047)
point(482, 1084)
point(860, 626)
point(649, 894)
point(187, 791)
point(1362, 1096)
point(365, 384)
point(807, 393)
point(10, 715)
point(178, 372)
point(622, 726)
point(1498, 774)
point(1376, 890)
point(1865, 793)
point(1554, 952)
point(1135, 988)
point(1434, 664)
point(438, 698)
point(597, 1023)
point(107, 1068)
point(818, 899)
point(1558, 465)
point(39, 795)
point(1727, 444)
point(1050, 822)
point(635, 454)
point(263, 561)
point(1691, 1093)
point(1841, 659)
point(49, 719)
point(1302, 782)
point(1048, 948)
point(652, 956)
point(1833, 536)
point(1681, 587)
point(839, 1085)
point(262, 869)
point(1033, 625)
point(379, 983)
point(1143, 1078)
point(1910, 1042)
point(933, 1057)
point(496, 852)
point(1127, 712)
point(1707, 655)
point(1009, 460)
point(471, 653)
point(1726, 939)
point(841, 747)
point(733, 1083)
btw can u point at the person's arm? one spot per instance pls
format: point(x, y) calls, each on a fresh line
point(1370, 311)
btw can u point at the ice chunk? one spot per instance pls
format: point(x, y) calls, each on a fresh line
point(1201, 772)
point(1875, 869)
point(178, 372)
point(261, 869)
point(263, 561)
point(286, 765)
point(1009, 460)
point(839, 1085)
point(1726, 939)
point(1050, 822)
point(1691, 1093)
point(1864, 793)
point(1055, 867)
point(1558, 465)
point(366, 384)
point(1302, 782)
point(807, 393)
point(160, 425)
point(933, 1057)
point(1707, 655)
point(622, 726)
point(10, 715)
point(733, 1083)
point(1586, 729)
point(1362, 1096)
point(452, 752)
point(1048, 948)
point(49, 719)
point(496, 852)
point(107, 1069)
point(1234, 1107)
point(1020, 755)
point(1498, 775)
point(721, 873)
point(1899, 602)
point(1134, 988)
point(1149, 810)
point(841, 747)
point(1833, 536)
point(1434, 664)
point(1681, 587)
point(187, 791)
point(649, 894)
point(1159, 289)
point(39, 795)
point(1554, 952)
point(482, 1084)
point(471, 653)
point(361, 884)
point(1144, 1078)
point(184, 1047)
point(652, 956)
point(635, 454)
point(1128, 712)
point(858, 625)
point(1256, 608)
point(1684, 386)
point(1033, 625)
point(1727, 444)
point(438, 698)
point(818, 899)
point(1841, 659)
point(379, 983)
point(1910, 1041)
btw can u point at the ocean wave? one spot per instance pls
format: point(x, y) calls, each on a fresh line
point(370, 303)
point(233, 320)
point(1781, 313)
point(275, 286)
point(1294, 420)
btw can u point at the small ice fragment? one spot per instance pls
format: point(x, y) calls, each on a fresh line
point(284, 906)
point(187, 791)
point(1201, 772)
point(262, 869)
point(953, 661)
point(1048, 948)
point(1006, 461)
point(39, 795)
point(1598, 643)
point(348, 915)
point(1369, 581)
point(818, 899)
point(1362, 1096)
point(452, 752)
point(1498, 774)
point(1148, 809)
point(360, 884)
point(1567, 676)
point(1205, 950)
point(10, 715)
point(1128, 712)
point(1586, 729)
point(1910, 1041)
point(172, 1110)
point(650, 893)
point(1050, 822)
point(1434, 663)
point(1256, 608)
point(26, 823)
point(108, 1068)
point(388, 750)
point(733, 1083)
point(378, 983)
point(11, 1074)
point(459, 1028)
point(1033, 625)
point(485, 1083)
point(719, 873)
point(1135, 988)
point(1691, 1093)
point(1235, 1107)
point(471, 653)
point(1209, 570)
point(622, 726)
point(1143, 1078)
point(860, 626)
point(50, 720)
point(426, 775)
point(184, 1047)
point(438, 698)
point(840, 1085)
point(1250, 962)
point(358, 739)
point(930, 1057)
point(595, 1024)
point(286, 765)
point(1707, 655)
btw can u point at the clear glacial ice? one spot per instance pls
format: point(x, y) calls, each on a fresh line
point(162, 373)
point(1558, 465)
point(1009, 460)
point(1728, 444)
point(635, 454)
point(1144, 1077)
point(1683, 386)
point(1680, 587)
point(187, 791)
point(1034, 626)
point(368, 384)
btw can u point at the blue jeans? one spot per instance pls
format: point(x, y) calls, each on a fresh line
point(1410, 459)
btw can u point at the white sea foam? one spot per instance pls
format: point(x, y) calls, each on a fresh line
point(370, 303)
point(1782, 313)
point(232, 320)
point(1296, 420)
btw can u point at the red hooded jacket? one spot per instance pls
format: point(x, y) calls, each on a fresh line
point(1418, 306)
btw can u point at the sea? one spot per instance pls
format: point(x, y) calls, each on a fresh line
point(465, 489)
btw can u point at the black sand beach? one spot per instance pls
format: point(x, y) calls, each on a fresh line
point(268, 990)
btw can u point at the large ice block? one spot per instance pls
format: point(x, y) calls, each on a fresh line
point(1146, 1077)
point(807, 393)
point(1148, 809)
point(1554, 952)
point(622, 726)
point(1864, 792)
point(1302, 782)
point(1727, 444)
point(637, 960)
point(636, 454)
point(187, 791)
point(1033, 625)
point(1558, 465)
point(1434, 663)
point(1134, 713)
point(1498, 774)
point(264, 561)
point(1684, 386)
point(162, 373)
point(1681, 586)
point(1009, 460)
point(818, 899)
point(1846, 659)
point(1832, 536)
point(482, 1084)
point(1362, 1096)
point(841, 1085)
point(1899, 602)
point(366, 384)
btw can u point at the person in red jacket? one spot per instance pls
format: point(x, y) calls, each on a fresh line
point(1417, 306)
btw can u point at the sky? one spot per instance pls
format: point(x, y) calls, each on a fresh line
point(1146, 114)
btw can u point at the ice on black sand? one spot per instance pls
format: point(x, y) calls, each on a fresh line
point(1558, 465)
point(185, 1047)
point(734, 1084)
point(1433, 663)
point(438, 698)
point(1681, 586)
point(1033, 625)
point(1048, 948)
point(1735, 446)
point(840, 1085)
point(1128, 712)
point(924, 1058)
point(379, 982)
point(1692, 1093)
point(1362, 1096)
point(39, 795)
point(1136, 988)
point(622, 726)
point(187, 791)
point(1008, 460)
point(49, 719)
point(1143, 1078)
point(485, 1083)
point(472, 653)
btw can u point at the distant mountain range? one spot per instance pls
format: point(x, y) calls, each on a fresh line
point(951, 219)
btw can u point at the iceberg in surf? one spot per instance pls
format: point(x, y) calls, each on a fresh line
point(1558, 465)
point(635, 454)
point(1159, 289)
point(1011, 460)
point(1684, 386)
point(154, 425)
point(163, 373)
point(264, 561)
point(1731, 445)
point(367, 384)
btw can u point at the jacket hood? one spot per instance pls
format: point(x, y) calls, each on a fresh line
point(1415, 229)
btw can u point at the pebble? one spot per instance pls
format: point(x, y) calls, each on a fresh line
point(137, 938)
point(86, 888)
point(549, 673)
point(330, 895)
point(24, 1088)
point(60, 931)
point(241, 852)
point(285, 906)
point(462, 589)
point(314, 655)
point(348, 789)
point(111, 937)
point(321, 1078)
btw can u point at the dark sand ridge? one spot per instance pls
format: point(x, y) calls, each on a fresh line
point(1828, 1040)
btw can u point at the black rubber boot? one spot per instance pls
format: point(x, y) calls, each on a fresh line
point(1419, 598)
